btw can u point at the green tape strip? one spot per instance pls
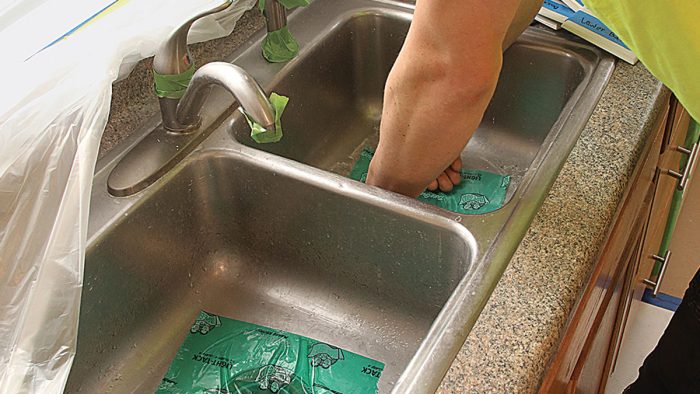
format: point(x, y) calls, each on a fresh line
point(223, 355)
point(172, 86)
point(260, 134)
point(294, 3)
point(288, 4)
point(280, 46)
point(479, 192)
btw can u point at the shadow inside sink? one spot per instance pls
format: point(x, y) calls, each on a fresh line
point(336, 89)
point(239, 239)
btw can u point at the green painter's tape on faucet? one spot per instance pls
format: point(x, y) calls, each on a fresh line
point(223, 355)
point(258, 132)
point(479, 192)
point(280, 46)
point(288, 4)
point(172, 86)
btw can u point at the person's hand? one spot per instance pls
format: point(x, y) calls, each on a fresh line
point(448, 179)
point(439, 88)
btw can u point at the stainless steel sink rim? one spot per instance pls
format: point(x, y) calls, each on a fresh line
point(494, 246)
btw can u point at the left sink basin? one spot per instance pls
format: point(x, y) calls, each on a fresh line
point(299, 257)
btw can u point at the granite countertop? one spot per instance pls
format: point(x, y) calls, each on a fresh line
point(519, 329)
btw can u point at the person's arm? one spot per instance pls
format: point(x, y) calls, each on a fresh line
point(439, 88)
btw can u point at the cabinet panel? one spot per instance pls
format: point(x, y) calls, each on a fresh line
point(685, 244)
point(676, 128)
point(626, 297)
point(590, 373)
point(595, 364)
point(665, 187)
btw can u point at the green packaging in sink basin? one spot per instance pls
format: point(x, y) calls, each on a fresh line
point(222, 355)
point(479, 192)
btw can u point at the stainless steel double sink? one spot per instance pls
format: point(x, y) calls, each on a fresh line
point(276, 235)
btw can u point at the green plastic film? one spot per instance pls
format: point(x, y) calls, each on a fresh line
point(223, 355)
point(279, 46)
point(172, 86)
point(260, 134)
point(479, 192)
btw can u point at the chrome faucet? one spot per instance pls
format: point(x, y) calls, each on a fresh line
point(165, 146)
point(276, 15)
point(236, 81)
point(182, 94)
point(173, 61)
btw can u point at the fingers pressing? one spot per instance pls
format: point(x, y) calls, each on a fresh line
point(444, 182)
point(457, 164)
point(433, 186)
point(449, 178)
point(454, 176)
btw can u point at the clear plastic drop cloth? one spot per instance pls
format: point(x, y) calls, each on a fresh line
point(60, 60)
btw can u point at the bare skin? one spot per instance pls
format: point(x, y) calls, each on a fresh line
point(439, 88)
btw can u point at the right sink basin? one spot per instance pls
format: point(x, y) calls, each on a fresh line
point(337, 85)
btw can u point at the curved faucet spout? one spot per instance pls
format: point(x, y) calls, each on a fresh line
point(236, 81)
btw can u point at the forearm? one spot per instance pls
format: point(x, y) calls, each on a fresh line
point(430, 112)
point(440, 86)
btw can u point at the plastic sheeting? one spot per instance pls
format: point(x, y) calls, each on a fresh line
point(60, 59)
point(222, 355)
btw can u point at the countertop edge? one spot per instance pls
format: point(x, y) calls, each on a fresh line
point(521, 326)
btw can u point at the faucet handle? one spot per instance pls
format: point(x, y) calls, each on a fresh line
point(172, 57)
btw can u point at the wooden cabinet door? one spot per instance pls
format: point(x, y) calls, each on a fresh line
point(665, 186)
point(596, 361)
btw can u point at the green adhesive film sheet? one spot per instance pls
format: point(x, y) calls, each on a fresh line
point(222, 355)
point(479, 191)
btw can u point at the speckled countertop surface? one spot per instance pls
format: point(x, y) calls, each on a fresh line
point(519, 330)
